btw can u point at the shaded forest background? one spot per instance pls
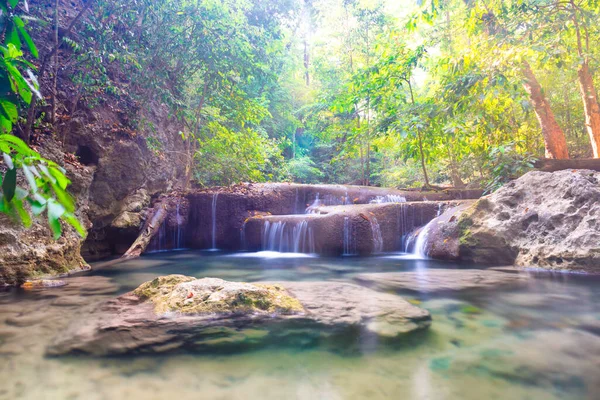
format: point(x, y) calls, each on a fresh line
point(378, 92)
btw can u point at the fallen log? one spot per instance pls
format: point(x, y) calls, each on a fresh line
point(551, 165)
point(154, 220)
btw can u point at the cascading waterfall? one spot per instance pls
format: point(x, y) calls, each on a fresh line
point(312, 208)
point(214, 221)
point(243, 236)
point(328, 200)
point(287, 237)
point(178, 232)
point(388, 198)
point(377, 237)
point(421, 239)
point(349, 244)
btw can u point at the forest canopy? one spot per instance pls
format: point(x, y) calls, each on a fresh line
point(375, 92)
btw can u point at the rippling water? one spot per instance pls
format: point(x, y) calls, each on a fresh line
point(534, 341)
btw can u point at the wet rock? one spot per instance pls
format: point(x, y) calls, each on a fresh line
point(236, 204)
point(187, 295)
point(356, 229)
point(441, 280)
point(43, 284)
point(543, 219)
point(27, 252)
point(289, 312)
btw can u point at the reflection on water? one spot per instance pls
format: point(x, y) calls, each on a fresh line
point(534, 341)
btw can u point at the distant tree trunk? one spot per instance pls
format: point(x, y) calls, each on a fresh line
point(306, 61)
point(423, 159)
point(586, 87)
point(55, 77)
point(590, 106)
point(554, 137)
point(454, 172)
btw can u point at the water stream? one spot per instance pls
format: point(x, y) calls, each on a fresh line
point(537, 342)
point(294, 237)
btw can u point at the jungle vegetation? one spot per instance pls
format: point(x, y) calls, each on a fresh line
point(405, 93)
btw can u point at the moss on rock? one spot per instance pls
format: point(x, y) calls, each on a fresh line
point(188, 295)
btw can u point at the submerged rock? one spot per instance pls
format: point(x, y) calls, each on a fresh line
point(543, 219)
point(182, 313)
point(43, 284)
point(441, 280)
point(566, 360)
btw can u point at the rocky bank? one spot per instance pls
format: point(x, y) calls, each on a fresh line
point(543, 219)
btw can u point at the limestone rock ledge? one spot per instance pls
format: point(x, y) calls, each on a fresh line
point(543, 219)
point(177, 313)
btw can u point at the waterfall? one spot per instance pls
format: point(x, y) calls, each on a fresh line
point(214, 221)
point(243, 236)
point(288, 237)
point(178, 233)
point(316, 203)
point(377, 237)
point(422, 239)
point(349, 244)
point(388, 198)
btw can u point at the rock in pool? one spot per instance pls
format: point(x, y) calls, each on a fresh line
point(176, 313)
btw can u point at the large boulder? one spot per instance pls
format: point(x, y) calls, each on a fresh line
point(176, 313)
point(543, 219)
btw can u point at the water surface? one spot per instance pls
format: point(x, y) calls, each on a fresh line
point(533, 341)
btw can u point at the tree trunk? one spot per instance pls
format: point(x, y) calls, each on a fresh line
point(590, 106)
point(558, 165)
point(151, 227)
point(55, 77)
point(306, 62)
point(586, 85)
point(427, 184)
point(554, 137)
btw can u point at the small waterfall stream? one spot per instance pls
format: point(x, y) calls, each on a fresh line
point(286, 237)
point(349, 242)
point(377, 237)
point(214, 221)
point(421, 240)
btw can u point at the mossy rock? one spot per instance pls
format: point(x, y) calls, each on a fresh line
point(188, 295)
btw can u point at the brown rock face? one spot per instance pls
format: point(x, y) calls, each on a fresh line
point(543, 219)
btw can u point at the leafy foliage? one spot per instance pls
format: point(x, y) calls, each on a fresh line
point(46, 183)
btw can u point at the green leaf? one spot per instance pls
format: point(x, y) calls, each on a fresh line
point(23, 214)
point(13, 3)
point(36, 207)
point(55, 226)
point(64, 198)
point(74, 222)
point(9, 110)
point(10, 184)
point(19, 146)
point(30, 178)
point(61, 179)
point(55, 211)
point(21, 28)
point(12, 37)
